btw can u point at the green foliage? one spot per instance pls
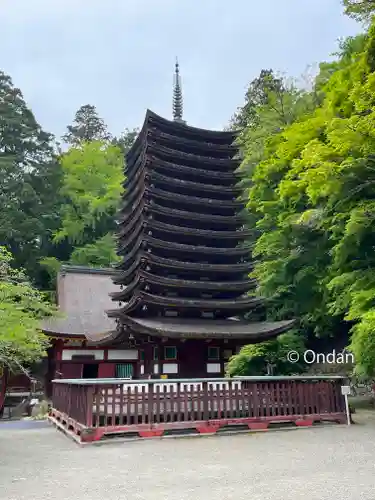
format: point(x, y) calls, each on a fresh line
point(312, 194)
point(29, 180)
point(54, 209)
point(263, 89)
point(271, 104)
point(21, 309)
point(51, 265)
point(126, 139)
point(92, 186)
point(363, 344)
point(101, 253)
point(360, 10)
point(255, 359)
point(349, 50)
point(87, 127)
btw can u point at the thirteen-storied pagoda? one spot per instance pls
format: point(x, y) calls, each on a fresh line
point(182, 288)
point(185, 265)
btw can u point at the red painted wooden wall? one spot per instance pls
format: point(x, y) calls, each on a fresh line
point(106, 370)
point(71, 370)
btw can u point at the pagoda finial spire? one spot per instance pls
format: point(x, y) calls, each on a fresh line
point(177, 95)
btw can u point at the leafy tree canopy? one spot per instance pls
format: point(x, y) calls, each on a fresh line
point(271, 104)
point(21, 309)
point(360, 10)
point(91, 189)
point(100, 253)
point(92, 186)
point(29, 173)
point(87, 127)
point(313, 194)
point(258, 359)
point(126, 139)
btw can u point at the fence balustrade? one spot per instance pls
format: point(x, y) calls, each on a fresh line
point(96, 407)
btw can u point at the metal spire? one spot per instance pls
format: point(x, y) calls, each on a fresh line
point(177, 95)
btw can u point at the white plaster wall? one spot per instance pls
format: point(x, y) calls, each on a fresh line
point(68, 353)
point(170, 368)
point(123, 354)
point(213, 368)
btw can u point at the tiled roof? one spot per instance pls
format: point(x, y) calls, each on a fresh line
point(208, 328)
point(83, 298)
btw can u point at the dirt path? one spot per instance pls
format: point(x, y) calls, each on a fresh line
point(333, 462)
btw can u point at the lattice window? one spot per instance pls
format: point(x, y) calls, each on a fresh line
point(214, 353)
point(124, 370)
point(170, 352)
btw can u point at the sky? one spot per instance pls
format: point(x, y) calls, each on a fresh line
point(119, 55)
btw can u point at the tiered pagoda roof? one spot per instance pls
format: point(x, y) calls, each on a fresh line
point(185, 261)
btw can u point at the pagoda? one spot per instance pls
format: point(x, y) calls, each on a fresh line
point(184, 285)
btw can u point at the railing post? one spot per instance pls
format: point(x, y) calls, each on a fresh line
point(68, 388)
point(205, 400)
point(89, 405)
point(150, 400)
point(54, 396)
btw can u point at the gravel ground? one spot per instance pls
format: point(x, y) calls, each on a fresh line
point(331, 462)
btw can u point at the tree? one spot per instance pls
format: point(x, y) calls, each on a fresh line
point(22, 308)
point(100, 253)
point(313, 195)
point(260, 92)
point(126, 140)
point(274, 97)
point(292, 250)
point(336, 175)
point(87, 127)
point(92, 187)
point(29, 174)
point(91, 190)
point(275, 105)
point(271, 104)
point(257, 359)
point(360, 10)
point(350, 48)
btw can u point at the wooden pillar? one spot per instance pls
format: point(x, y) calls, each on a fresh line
point(57, 353)
point(148, 349)
point(59, 346)
point(51, 370)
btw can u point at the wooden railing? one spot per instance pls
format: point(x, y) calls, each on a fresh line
point(95, 407)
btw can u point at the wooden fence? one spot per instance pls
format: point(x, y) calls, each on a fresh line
point(91, 409)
